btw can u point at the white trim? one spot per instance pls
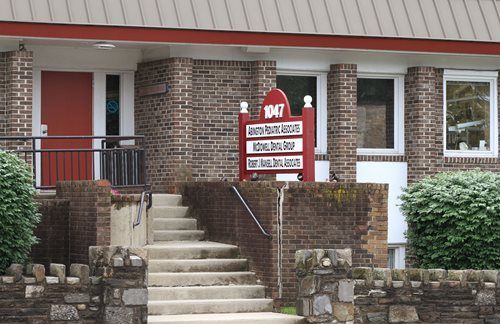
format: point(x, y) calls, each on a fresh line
point(399, 145)
point(98, 115)
point(37, 119)
point(474, 76)
point(321, 102)
point(127, 126)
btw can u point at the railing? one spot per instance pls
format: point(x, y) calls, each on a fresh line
point(259, 225)
point(119, 159)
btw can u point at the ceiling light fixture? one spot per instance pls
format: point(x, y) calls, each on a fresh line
point(103, 45)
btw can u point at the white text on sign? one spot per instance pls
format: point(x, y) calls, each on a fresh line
point(275, 146)
point(274, 129)
point(273, 111)
point(275, 163)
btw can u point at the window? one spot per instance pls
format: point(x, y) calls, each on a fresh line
point(296, 86)
point(470, 110)
point(112, 104)
point(380, 114)
point(396, 256)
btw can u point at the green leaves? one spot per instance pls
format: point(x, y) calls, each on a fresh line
point(18, 210)
point(454, 220)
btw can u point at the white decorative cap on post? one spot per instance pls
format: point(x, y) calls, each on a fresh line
point(308, 99)
point(243, 107)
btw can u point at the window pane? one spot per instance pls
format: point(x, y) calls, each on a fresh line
point(296, 87)
point(376, 113)
point(112, 105)
point(467, 115)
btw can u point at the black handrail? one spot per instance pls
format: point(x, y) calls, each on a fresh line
point(262, 230)
point(122, 164)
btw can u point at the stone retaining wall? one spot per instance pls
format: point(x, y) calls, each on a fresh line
point(113, 289)
point(332, 291)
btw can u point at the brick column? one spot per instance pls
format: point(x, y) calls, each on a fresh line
point(421, 118)
point(263, 80)
point(342, 121)
point(166, 121)
point(16, 95)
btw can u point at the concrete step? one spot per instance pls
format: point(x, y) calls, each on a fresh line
point(178, 235)
point(198, 265)
point(206, 292)
point(195, 306)
point(184, 279)
point(174, 224)
point(169, 211)
point(166, 200)
point(191, 250)
point(228, 318)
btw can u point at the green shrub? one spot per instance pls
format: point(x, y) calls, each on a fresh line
point(454, 220)
point(18, 210)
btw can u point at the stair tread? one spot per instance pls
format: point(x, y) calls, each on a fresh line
point(190, 245)
point(221, 316)
point(206, 287)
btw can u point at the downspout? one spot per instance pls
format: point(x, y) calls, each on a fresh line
point(279, 220)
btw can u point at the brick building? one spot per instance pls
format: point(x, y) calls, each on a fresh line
point(403, 89)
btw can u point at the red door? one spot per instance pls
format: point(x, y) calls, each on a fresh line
point(66, 110)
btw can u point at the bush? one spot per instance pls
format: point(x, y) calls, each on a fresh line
point(454, 220)
point(18, 210)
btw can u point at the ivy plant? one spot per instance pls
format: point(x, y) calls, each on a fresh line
point(454, 220)
point(18, 210)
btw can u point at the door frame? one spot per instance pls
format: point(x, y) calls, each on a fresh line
point(127, 90)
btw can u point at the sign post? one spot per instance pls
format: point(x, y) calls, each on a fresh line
point(277, 142)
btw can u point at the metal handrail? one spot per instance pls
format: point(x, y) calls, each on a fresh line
point(123, 165)
point(263, 231)
point(141, 206)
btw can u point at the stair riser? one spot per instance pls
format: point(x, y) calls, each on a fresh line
point(235, 292)
point(216, 307)
point(167, 200)
point(179, 236)
point(197, 265)
point(169, 212)
point(208, 279)
point(212, 253)
point(174, 224)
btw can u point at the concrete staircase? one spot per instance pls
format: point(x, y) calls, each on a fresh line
point(196, 281)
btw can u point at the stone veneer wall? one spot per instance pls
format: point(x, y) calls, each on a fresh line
point(327, 215)
point(331, 291)
point(192, 130)
point(112, 290)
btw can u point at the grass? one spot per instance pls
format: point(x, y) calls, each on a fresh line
point(289, 310)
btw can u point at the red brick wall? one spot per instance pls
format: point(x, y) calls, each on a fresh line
point(342, 120)
point(191, 132)
point(52, 232)
point(166, 121)
point(89, 215)
point(315, 215)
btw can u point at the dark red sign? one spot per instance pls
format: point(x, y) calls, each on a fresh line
point(277, 142)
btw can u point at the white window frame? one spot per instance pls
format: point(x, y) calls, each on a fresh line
point(474, 76)
point(321, 97)
point(399, 255)
point(399, 145)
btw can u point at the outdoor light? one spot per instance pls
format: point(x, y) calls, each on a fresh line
point(103, 46)
point(300, 177)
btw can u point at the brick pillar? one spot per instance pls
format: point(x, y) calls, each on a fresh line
point(166, 121)
point(342, 121)
point(263, 80)
point(421, 117)
point(16, 95)
point(3, 108)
